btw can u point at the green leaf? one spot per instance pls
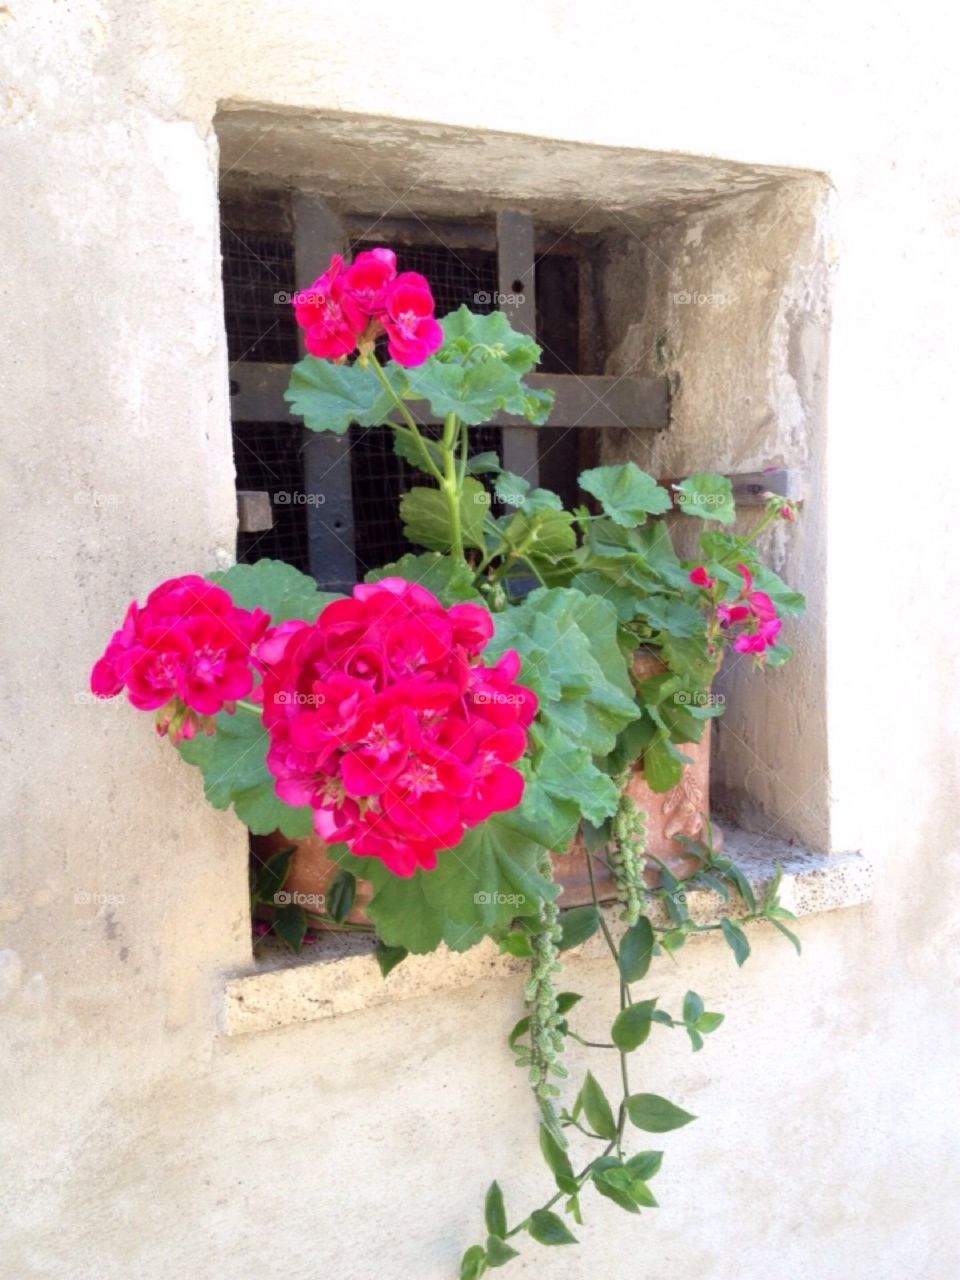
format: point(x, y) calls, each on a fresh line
point(692, 1006)
point(707, 495)
point(558, 1162)
point(708, 1022)
point(601, 1180)
point(597, 1108)
point(290, 925)
point(277, 588)
point(476, 888)
point(567, 999)
point(632, 1025)
point(575, 662)
point(482, 464)
point(736, 939)
point(572, 661)
point(499, 1252)
point(662, 764)
point(416, 451)
point(636, 950)
point(787, 933)
point(641, 1194)
point(426, 516)
point(520, 1029)
point(628, 495)
point(340, 895)
point(463, 329)
point(449, 577)
point(662, 613)
point(548, 1228)
point(233, 763)
point(494, 1213)
point(577, 925)
point(654, 1114)
point(516, 943)
point(330, 397)
point(474, 392)
point(473, 1263)
point(271, 874)
point(565, 785)
point(644, 1164)
point(389, 957)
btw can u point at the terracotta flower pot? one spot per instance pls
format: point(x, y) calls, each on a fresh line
point(677, 812)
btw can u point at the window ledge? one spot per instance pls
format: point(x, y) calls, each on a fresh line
point(339, 975)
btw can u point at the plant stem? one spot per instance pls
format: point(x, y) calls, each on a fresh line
point(759, 527)
point(624, 1001)
point(451, 482)
point(580, 1179)
point(408, 417)
point(248, 706)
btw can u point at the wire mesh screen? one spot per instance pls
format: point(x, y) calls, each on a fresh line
point(269, 456)
point(258, 280)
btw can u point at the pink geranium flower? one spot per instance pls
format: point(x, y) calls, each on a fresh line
point(756, 612)
point(700, 578)
point(412, 332)
point(347, 308)
point(384, 720)
point(186, 654)
point(327, 314)
point(366, 281)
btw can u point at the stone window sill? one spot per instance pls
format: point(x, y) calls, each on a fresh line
point(339, 975)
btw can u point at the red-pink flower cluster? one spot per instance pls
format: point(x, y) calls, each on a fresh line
point(383, 718)
point(755, 612)
point(186, 654)
point(350, 306)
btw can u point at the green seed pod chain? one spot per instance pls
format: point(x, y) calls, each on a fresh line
point(540, 993)
point(626, 856)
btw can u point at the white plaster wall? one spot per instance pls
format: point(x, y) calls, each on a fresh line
point(144, 1145)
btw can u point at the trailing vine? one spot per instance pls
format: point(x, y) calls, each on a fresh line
point(537, 1039)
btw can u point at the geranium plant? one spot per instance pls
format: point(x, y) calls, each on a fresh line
point(466, 713)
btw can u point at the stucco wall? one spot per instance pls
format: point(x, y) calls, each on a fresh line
point(147, 1146)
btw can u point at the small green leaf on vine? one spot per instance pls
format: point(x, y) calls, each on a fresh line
point(650, 1112)
point(597, 1109)
point(548, 1228)
point(632, 1025)
point(494, 1213)
point(736, 939)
